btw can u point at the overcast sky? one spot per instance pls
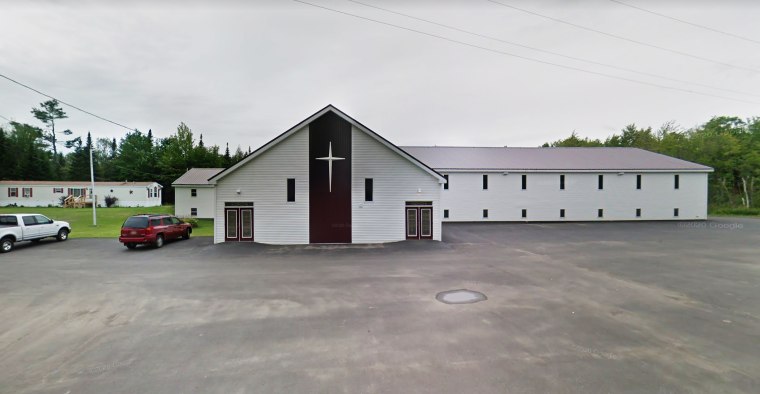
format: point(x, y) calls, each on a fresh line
point(243, 72)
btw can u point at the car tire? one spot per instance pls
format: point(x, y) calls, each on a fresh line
point(130, 245)
point(6, 245)
point(159, 241)
point(63, 234)
point(186, 235)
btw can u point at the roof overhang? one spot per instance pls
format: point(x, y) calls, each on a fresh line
point(565, 170)
point(302, 124)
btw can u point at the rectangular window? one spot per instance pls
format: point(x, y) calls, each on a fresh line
point(12, 192)
point(26, 192)
point(291, 189)
point(524, 213)
point(561, 182)
point(446, 185)
point(524, 182)
point(600, 213)
point(193, 211)
point(638, 182)
point(485, 214)
point(445, 213)
point(561, 213)
point(485, 182)
point(601, 182)
point(676, 182)
point(368, 189)
point(57, 190)
point(638, 212)
point(675, 212)
point(193, 192)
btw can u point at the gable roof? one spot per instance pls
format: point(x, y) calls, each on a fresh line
point(328, 108)
point(550, 159)
point(197, 176)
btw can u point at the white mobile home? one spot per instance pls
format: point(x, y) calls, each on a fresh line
point(49, 193)
point(194, 195)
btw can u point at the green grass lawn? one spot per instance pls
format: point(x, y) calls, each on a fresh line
point(109, 219)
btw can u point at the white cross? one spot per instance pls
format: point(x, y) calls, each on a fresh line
point(330, 159)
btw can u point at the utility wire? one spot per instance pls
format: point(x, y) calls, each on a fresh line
point(555, 53)
point(65, 103)
point(523, 57)
point(677, 52)
point(1, 116)
point(687, 22)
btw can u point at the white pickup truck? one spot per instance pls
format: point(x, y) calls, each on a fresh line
point(29, 227)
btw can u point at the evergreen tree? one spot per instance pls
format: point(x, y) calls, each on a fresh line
point(48, 113)
point(227, 160)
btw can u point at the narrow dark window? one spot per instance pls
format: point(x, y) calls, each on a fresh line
point(193, 192)
point(485, 182)
point(291, 189)
point(638, 212)
point(193, 211)
point(561, 182)
point(485, 214)
point(524, 213)
point(601, 182)
point(675, 212)
point(524, 182)
point(676, 182)
point(638, 182)
point(368, 189)
point(446, 185)
point(445, 213)
point(561, 213)
point(600, 213)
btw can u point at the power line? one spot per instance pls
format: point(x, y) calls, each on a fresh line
point(677, 52)
point(687, 22)
point(524, 57)
point(1, 116)
point(65, 103)
point(555, 53)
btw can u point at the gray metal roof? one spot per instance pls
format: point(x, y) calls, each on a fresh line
point(548, 159)
point(197, 176)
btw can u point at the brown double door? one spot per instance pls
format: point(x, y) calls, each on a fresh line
point(419, 222)
point(238, 224)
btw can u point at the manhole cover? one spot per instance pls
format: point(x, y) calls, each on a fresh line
point(462, 296)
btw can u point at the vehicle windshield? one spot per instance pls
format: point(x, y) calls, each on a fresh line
point(136, 222)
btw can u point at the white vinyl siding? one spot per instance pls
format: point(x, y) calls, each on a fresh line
point(396, 180)
point(204, 201)
point(262, 181)
point(581, 197)
point(43, 195)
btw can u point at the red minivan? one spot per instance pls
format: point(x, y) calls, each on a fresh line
point(153, 230)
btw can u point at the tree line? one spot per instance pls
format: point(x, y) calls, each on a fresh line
point(29, 152)
point(730, 145)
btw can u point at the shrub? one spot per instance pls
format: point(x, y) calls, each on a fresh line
point(111, 201)
point(191, 221)
point(62, 200)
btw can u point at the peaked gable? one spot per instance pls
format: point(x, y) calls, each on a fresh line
point(305, 122)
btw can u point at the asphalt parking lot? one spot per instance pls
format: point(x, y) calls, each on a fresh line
point(572, 308)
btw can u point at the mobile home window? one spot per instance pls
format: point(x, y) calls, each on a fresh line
point(524, 213)
point(524, 182)
point(485, 214)
point(638, 182)
point(638, 212)
point(601, 182)
point(445, 213)
point(600, 213)
point(12, 192)
point(485, 182)
point(676, 181)
point(193, 192)
point(561, 182)
point(561, 213)
point(368, 189)
point(193, 211)
point(291, 189)
point(446, 185)
point(57, 190)
point(675, 212)
point(26, 192)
